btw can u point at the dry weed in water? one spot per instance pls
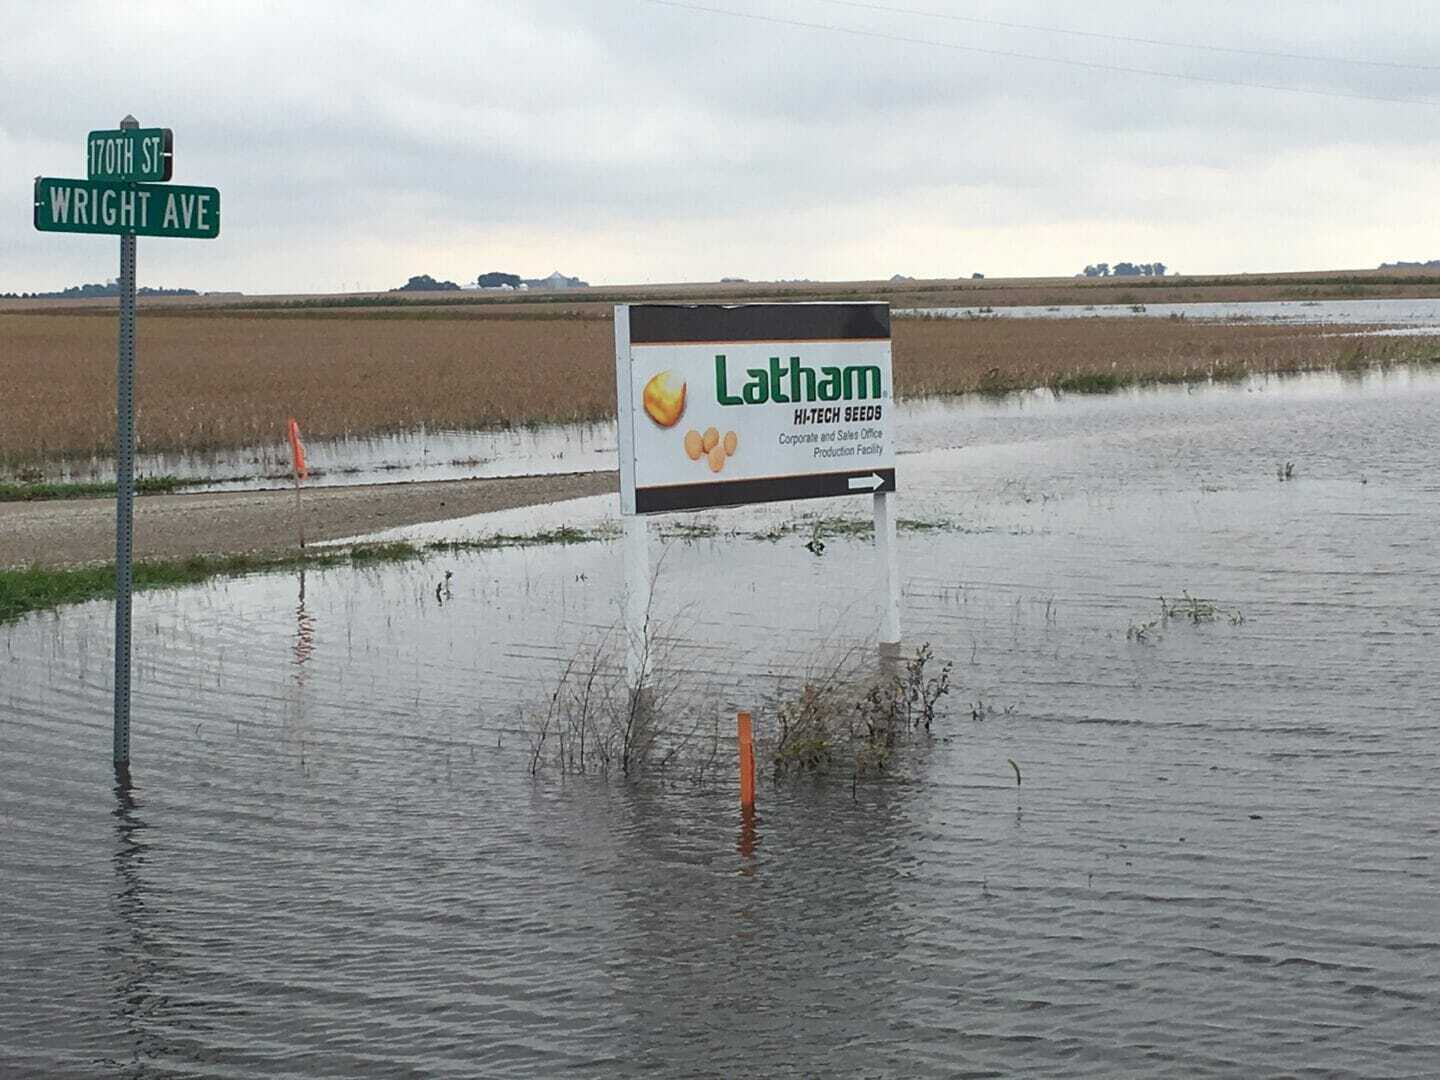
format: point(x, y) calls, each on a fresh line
point(596, 722)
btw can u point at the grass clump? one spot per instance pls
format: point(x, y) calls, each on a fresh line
point(1089, 382)
point(564, 535)
point(1194, 610)
point(845, 718)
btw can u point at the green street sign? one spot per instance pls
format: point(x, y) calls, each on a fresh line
point(130, 154)
point(126, 209)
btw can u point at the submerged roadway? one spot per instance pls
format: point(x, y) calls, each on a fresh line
point(76, 532)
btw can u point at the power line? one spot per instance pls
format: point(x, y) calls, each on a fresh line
point(1090, 65)
point(1202, 46)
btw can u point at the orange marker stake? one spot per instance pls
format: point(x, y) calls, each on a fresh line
point(297, 460)
point(297, 452)
point(747, 763)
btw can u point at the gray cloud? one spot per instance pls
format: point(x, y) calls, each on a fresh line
point(356, 144)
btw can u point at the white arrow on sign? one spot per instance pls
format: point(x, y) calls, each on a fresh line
point(866, 483)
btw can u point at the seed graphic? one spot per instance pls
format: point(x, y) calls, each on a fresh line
point(717, 458)
point(730, 441)
point(664, 398)
point(711, 437)
point(694, 445)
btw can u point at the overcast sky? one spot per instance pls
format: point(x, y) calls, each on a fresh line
point(355, 144)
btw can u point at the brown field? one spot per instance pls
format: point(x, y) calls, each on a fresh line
point(221, 382)
point(214, 381)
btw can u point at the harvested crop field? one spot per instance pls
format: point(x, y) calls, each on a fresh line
point(214, 381)
point(218, 382)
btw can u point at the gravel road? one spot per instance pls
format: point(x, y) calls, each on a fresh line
point(74, 532)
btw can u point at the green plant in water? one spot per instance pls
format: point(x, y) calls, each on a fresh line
point(1141, 631)
point(1192, 609)
point(1089, 382)
point(806, 732)
point(905, 702)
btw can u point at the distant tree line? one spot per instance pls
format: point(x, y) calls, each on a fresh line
point(1125, 269)
point(93, 291)
point(495, 279)
point(1433, 264)
point(426, 283)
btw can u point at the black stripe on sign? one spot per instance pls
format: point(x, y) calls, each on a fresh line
point(660, 500)
point(655, 324)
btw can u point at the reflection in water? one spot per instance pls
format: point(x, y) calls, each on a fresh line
point(304, 635)
point(130, 947)
point(748, 841)
point(711, 954)
point(302, 649)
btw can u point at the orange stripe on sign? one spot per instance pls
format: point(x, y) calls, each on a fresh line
point(297, 451)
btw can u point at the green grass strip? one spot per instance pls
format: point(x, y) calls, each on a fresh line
point(38, 588)
point(36, 491)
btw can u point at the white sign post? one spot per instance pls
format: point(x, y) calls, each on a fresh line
point(726, 406)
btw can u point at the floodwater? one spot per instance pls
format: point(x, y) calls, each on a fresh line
point(545, 449)
point(1223, 861)
point(1414, 314)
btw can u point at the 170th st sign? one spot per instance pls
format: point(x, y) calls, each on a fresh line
point(130, 154)
point(124, 208)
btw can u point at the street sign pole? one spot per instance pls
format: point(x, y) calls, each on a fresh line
point(126, 193)
point(885, 547)
point(124, 492)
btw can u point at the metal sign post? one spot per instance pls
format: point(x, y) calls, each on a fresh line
point(124, 491)
point(118, 197)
